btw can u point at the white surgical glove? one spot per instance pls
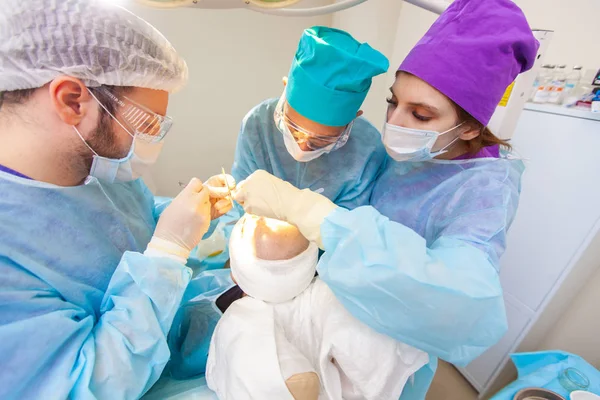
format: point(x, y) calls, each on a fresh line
point(266, 195)
point(184, 222)
point(219, 194)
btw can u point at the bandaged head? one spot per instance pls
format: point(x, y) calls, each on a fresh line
point(270, 259)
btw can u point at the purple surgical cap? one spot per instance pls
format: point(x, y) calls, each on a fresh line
point(473, 52)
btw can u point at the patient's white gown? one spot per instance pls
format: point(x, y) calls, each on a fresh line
point(256, 346)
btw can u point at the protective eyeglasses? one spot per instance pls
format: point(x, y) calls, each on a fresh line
point(302, 136)
point(140, 122)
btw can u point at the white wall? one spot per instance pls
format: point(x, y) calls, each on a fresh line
point(236, 59)
point(578, 330)
point(575, 26)
point(570, 321)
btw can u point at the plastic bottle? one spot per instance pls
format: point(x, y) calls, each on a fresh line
point(558, 85)
point(213, 245)
point(536, 84)
point(596, 103)
point(544, 81)
point(572, 83)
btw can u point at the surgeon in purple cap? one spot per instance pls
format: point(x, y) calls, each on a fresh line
point(421, 263)
point(449, 85)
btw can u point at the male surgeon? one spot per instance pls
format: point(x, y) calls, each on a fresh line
point(91, 278)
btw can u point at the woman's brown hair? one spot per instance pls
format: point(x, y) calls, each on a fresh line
point(486, 137)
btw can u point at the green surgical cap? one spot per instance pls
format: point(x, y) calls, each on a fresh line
point(331, 75)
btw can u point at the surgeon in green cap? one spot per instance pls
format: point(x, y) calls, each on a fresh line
point(313, 136)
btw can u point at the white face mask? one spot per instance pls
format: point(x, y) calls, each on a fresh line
point(292, 145)
point(406, 144)
point(142, 155)
point(269, 280)
point(296, 152)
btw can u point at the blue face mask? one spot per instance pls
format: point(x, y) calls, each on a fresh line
point(406, 144)
point(142, 155)
point(144, 150)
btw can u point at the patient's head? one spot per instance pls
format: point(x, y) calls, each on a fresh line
point(270, 259)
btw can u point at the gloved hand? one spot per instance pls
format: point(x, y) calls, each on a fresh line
point(184, 222)
point(219, 194)
point(266, 195)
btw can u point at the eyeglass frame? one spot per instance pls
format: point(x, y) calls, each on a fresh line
point(165, 122)
point(280, 117)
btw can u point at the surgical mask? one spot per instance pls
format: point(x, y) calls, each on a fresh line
point(296, 152)
point(269, 280)
point(406, 144)
point(145, 148)
point(142, 155)
point(291, 143)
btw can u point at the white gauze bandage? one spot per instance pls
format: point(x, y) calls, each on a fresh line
point(269, 280)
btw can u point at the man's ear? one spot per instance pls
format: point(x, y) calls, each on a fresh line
point(70, 98)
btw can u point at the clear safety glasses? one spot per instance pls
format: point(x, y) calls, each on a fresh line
point(139, 121)
point(302, 136)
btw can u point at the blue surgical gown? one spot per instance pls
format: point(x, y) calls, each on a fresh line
point(195, 322)
point(83, 313)
point(421, 264)
point(345, 176)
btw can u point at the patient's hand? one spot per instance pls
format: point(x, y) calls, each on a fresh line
point(304, 386)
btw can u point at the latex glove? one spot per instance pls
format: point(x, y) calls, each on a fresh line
point(184, 222)
point(220, 200)
point(266, 195)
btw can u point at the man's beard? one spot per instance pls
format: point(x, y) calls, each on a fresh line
point(103, 140)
